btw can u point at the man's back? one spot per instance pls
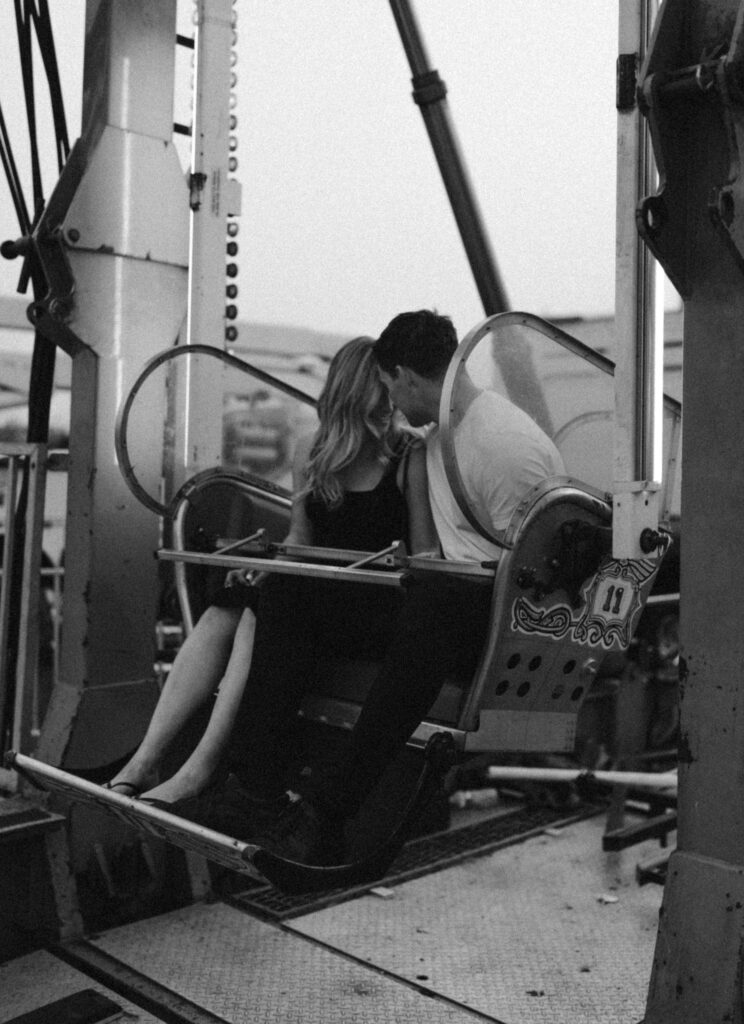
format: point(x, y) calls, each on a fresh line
point(501, 454)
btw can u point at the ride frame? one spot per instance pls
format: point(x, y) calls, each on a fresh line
point(74, 224)
point(694, 66)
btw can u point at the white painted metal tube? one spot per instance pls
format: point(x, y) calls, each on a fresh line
point(645, 780)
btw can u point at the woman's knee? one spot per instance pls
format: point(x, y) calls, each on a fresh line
point(219, 622)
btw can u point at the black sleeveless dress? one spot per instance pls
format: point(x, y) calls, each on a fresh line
point(351, 619)
point(307, 627)
point(365, 520)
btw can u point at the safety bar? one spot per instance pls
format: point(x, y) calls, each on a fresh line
point(333, 572)
point(394, 555)
point(258, 544)
point(391, 578)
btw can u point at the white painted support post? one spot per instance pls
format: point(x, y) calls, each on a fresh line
point(214, 196)
point(639, 333)
point(126, 236)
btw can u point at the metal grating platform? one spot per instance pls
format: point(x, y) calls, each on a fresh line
point(420, 857)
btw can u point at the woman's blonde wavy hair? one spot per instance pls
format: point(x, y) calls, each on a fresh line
point(348, 410)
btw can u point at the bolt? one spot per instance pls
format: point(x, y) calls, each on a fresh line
point(650, 540)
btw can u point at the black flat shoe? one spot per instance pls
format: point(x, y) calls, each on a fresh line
point(123, 788)
point(228, 807)
point(151, 801)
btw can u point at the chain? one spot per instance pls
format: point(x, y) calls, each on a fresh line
point(231, 289)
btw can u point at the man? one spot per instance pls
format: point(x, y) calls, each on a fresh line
point(502, 454)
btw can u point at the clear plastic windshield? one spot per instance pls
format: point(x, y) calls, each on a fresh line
point(204, 407)
point(566, 387)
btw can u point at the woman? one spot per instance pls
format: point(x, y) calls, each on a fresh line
point(358, 486)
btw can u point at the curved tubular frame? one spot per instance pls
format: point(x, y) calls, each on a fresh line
point(178, 508)
point(598, 416)
point(176, 351)
point(457, 368)
point(293, 877)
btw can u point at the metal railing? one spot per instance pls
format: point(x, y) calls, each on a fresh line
point(20, 595)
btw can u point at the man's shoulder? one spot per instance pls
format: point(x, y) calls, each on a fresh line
point(492, 410)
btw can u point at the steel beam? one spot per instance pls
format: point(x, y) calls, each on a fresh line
point(430, 95)
point(691, 91)
point(214, 195)
point(124, 226)
point(639, 326)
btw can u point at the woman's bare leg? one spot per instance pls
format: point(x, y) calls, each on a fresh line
point(197, 770)
point(193, 678)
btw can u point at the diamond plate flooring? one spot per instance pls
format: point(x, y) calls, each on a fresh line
point(31, 982)
point(245, 970)
point(550, 931)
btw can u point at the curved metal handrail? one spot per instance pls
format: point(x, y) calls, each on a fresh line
point(179, 505)
point(175, 352)
point(597, 416)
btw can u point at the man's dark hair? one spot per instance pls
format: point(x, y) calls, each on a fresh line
point(423, 341)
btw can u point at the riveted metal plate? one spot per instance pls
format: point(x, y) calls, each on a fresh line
point(530, 934)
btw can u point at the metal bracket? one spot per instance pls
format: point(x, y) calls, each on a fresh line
point(428, 88)
point(46, 248)
point(626, 71)
point(197, 184)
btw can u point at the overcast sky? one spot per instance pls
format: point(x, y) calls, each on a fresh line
point(345, 221)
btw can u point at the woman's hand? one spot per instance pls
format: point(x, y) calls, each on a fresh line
point(243, 577)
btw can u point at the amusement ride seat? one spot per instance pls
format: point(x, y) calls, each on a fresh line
point(561, 603)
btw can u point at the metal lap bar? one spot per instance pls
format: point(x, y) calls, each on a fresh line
point(258, 537)
point(357, 571)
point(435, 566)
point(332, 572)
point(370, 559)
point(480, 571)
point(230, 853)
point(307, 552)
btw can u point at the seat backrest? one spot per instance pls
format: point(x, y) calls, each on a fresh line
point(561, 604)
point(216, 506)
